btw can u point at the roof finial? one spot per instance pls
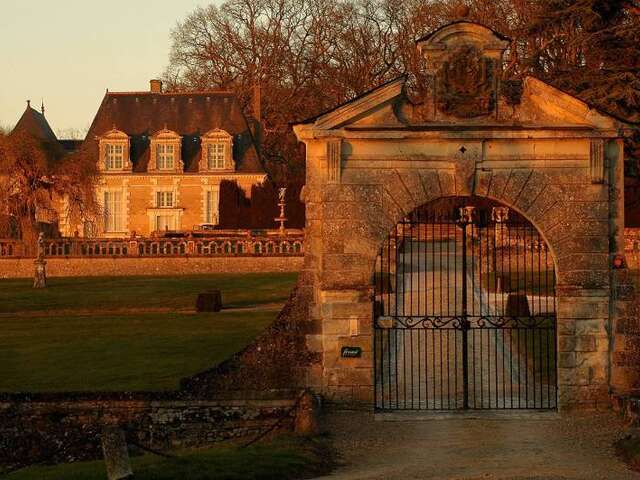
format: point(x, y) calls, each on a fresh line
point(42, 106)
point(28, 103)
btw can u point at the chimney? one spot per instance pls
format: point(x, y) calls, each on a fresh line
point(155, 86)
point(256, 103)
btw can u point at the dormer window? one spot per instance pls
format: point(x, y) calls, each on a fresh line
point(166, 152)
point(216, 156)
point(114, 151)
point(217, 152)
point(165, 157)
point(115, 156)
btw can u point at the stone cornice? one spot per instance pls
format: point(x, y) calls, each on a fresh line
point(475, 132)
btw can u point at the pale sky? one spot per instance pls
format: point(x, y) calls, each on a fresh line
point(68, 52)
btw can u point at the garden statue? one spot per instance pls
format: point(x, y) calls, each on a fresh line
point(40, 274)
point(281, 203)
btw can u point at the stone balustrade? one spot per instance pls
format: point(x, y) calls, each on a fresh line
point(213, 244)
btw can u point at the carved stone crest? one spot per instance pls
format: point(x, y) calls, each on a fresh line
point(466, 84)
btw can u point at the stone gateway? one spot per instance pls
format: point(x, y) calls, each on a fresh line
point(511, 149)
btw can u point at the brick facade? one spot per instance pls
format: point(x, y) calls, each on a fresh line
point(139, 199)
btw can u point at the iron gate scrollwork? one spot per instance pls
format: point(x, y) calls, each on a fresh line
point(464, 311)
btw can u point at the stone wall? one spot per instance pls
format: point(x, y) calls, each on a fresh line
point(81, 267)
point(626, 352)
point(51, 428)
point(632, 248)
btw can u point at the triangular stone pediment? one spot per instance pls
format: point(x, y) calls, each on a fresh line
point(540, 105)
point(468, 90)
point(374, 105)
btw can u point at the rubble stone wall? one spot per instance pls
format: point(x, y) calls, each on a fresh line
point(61, 428)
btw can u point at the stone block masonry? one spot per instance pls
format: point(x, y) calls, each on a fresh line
point(115, 266)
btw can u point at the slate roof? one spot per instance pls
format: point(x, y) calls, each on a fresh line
point(35, 124)
point(191, 115)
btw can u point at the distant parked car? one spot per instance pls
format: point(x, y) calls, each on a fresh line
point(205, 230)
point(205, 227)
point(169, 234)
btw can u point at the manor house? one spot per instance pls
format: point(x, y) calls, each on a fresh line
point(162, 159)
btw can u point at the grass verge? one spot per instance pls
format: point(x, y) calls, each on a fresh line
point(283, 459)
point(116, 293)
point(141, 352)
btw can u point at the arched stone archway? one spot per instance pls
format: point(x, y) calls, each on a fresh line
point(464, 311)
point(545, 154)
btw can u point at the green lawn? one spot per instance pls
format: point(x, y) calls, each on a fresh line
point(282, 460)
point(113, 293)
point(93, 334)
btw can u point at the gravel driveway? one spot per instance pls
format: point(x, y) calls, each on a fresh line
point(466, 446)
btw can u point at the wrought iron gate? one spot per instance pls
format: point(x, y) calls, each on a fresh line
point(464, 312)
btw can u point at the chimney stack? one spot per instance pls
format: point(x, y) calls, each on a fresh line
point(155, 86)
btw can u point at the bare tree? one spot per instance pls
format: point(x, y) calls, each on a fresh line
point(72, 133)
point(34, 175)
point(309, 55)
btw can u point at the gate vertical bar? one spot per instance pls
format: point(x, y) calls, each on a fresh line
point(464, 323)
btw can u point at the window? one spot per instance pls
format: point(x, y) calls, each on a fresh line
point(215, 156)
point(165, 156)
point(114, 151)
point(211, 206)
point(114, 157)
point(113, 212)
point(164, 199)
point(217, 151)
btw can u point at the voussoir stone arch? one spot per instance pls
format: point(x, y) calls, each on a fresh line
point(383, 198)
